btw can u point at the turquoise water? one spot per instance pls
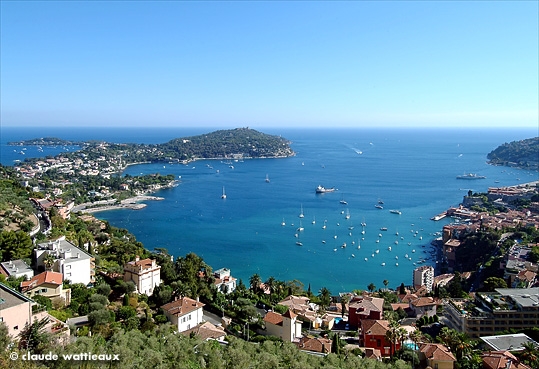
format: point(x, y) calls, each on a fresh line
point(409, 170)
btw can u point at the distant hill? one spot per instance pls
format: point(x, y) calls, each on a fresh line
point(521, 154)
point(239, 142)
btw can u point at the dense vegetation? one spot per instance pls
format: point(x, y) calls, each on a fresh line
point(522, 154)
point(220, 144)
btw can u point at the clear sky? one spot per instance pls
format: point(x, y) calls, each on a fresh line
point(270, 63)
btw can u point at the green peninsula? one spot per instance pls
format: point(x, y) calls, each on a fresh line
point(521, 154)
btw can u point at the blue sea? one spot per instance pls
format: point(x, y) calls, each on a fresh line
point(410, 170)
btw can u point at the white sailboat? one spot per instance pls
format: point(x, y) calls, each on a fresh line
point(347, 216)
point(301, 212)
point(283, 223)
point(223, 196)
point(267, 179)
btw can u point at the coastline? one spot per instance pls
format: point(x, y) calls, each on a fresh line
point(133, 203)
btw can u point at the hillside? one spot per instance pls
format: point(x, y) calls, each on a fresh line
point(521, 154)
point(242, 142)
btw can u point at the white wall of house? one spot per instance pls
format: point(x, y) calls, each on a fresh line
point(186, 321)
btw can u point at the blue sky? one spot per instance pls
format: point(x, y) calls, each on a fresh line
point(270, 64)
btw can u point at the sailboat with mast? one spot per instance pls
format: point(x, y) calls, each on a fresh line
point(223, 196)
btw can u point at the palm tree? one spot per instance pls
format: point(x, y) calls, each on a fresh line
point(48, 261)
point(392, 336)
point(325, 297)
point(371, 287)
point(271, 284)
point(345, 299)
point(530, 354)
point(385, 282)
point(254, 283)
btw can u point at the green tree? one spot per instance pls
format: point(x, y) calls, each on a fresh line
point(371, 287)
point(325, 298)
point(491, 283)
point(254, 283)
point(33, 336)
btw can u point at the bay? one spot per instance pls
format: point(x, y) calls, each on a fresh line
point(410, 170)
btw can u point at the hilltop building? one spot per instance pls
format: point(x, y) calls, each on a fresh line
point(75, 264)
point(423, 276)
point(224, 281)
point(285, 326)
point(492, 312)
point(184, 313)
point(146, 274)
point(16, 269)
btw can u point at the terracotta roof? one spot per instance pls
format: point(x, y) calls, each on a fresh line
point(42, 278)
point(273, 318)
point(289, 314)
point(206, 331)
point(436, 352)
point(364, 305)
point(374, 327)
point(182, 306)
point(144, 263)
point(499, 359)
point(316, 344)
point(423, 301)
point(372, 353)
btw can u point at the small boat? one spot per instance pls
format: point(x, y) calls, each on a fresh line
point(324, 226)
point(314, 220)
point(366, 259)
point(223, 196)
point(283, 223)
point(322, 189)
point(383, 228)
point(383, 264)
point(323, 241)
point(353, 255)
point(389, 248)
point(301, 212)
point(393, 211)
point(343, 246)
point(267, 179)
point(299, 243)
point(347, 216)
point(396, 264)
point(378, 206)
point(343, 201)
point(377, 251)
point(380, 202)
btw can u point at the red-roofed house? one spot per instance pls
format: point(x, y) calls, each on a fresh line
point(207, 331)
point(364, 307)
point(436, 355)
point(314, 344)
point(501, 360)
point(373, 335)
point(423, 306)
point(48, 284)
point(146, 274)
point(184, 313)
point(284, 326)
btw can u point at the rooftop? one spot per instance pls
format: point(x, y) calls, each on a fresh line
point(508, 342)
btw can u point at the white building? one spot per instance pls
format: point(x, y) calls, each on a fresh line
point(224, 281)
point(285, 326)
point(16, 269)
point(424, 276)
point(184, 313)
point(75, 264)
point(146, 274)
